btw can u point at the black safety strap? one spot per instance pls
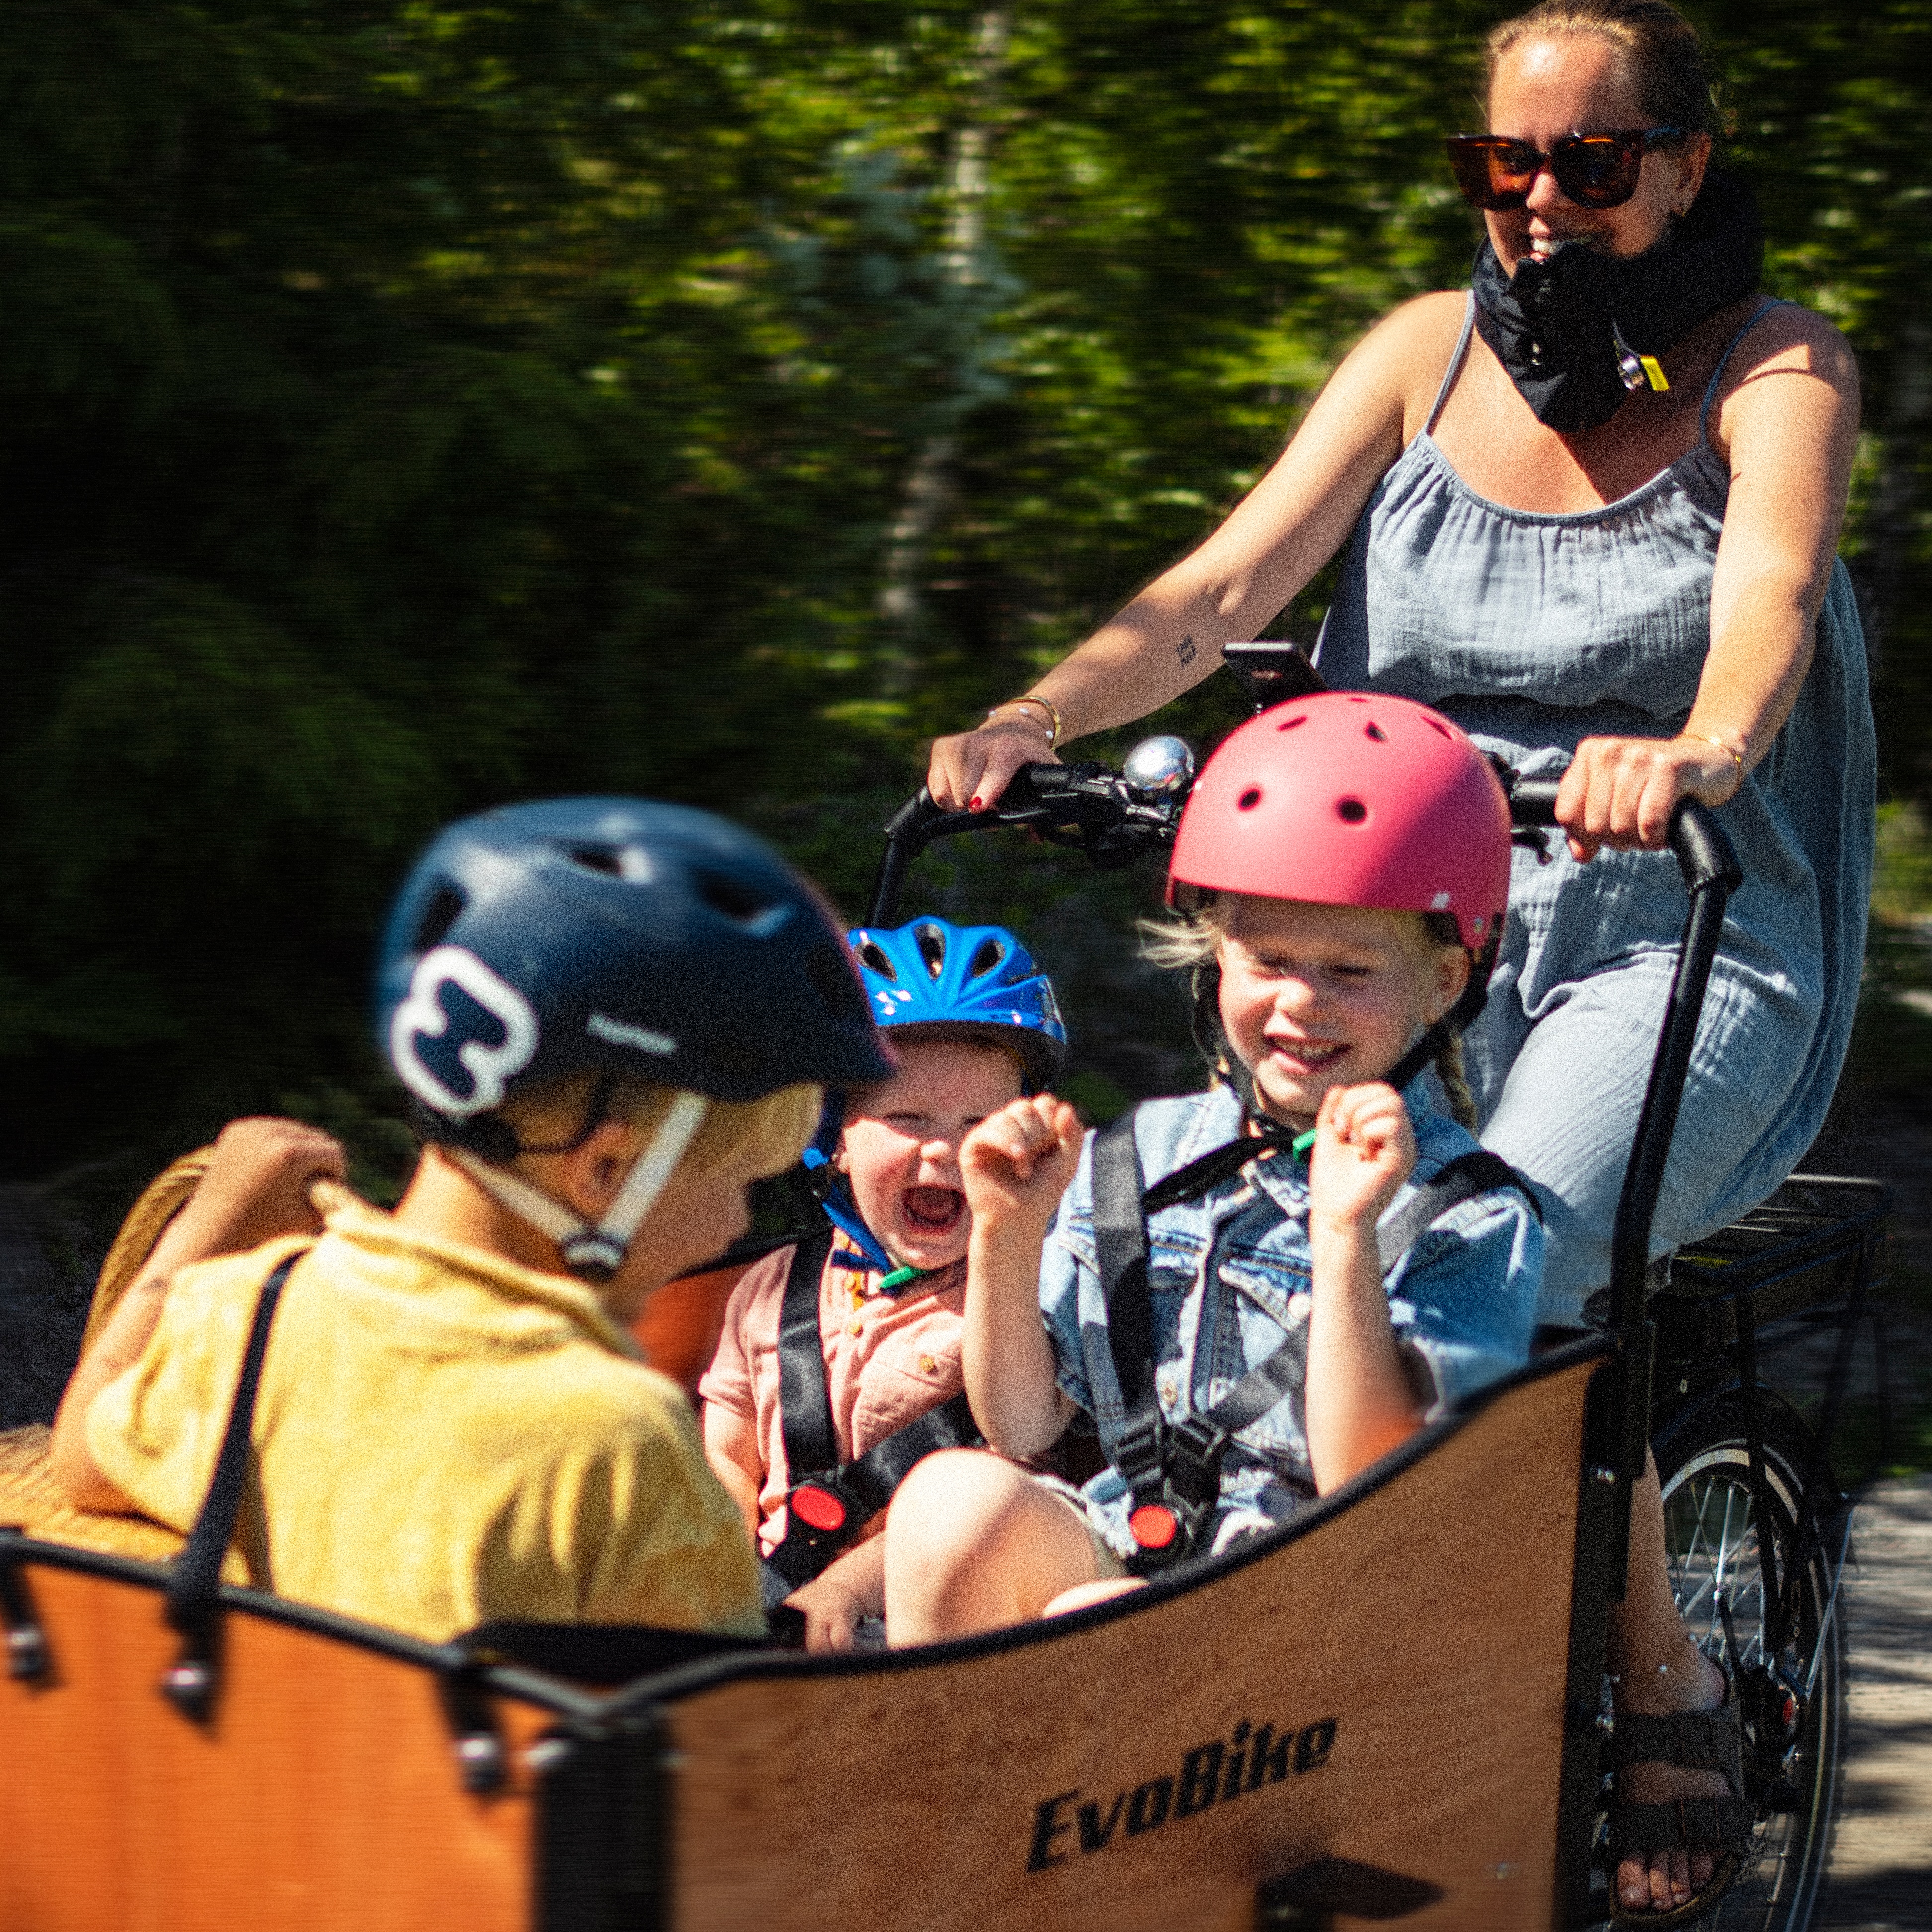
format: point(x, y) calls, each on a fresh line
point(1173, 1468)
point(1120, 1246)
point(804, 1401)
point(1469, 1175)
point(843, 1497)
point(1460, 1180)
point(194, 1584)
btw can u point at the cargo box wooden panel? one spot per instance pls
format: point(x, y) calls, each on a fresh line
point(1384, 1691)
point(324, 1793)
point(1369, 1706)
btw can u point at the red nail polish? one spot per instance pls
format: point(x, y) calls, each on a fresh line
point(973, 804)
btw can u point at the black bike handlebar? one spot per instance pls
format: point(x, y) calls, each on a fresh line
point(1084, 805)
point(1702, 847)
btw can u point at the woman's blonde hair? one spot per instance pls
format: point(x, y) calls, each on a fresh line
point(1660, 51)
point(737, 1140)
point(1193, 944)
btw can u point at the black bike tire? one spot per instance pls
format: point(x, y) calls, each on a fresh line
point(1709, 1444)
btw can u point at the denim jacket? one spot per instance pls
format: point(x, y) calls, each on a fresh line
point(1229, 1274)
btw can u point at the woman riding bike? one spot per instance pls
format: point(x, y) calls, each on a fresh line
point(1589, 509)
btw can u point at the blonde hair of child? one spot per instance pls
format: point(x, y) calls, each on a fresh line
point(737, 1140)
point(1194, 944)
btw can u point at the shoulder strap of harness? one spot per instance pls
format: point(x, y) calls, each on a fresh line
point(1469, 1175)
point(1460, 1180)
point(805, 1402)
point(1173, 1468)
point(194, 1581)
point(828, 1502)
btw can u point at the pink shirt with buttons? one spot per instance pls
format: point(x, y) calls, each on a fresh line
point(888, 1359)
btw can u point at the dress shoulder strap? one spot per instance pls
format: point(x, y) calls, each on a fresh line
point(1455, 363)
point(1756, 316)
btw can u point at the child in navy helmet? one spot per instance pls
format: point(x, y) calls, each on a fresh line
point(612, 1015)
point(838, 1366)
point(1249, 1331)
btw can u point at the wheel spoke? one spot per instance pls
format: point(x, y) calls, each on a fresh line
point(1715, 1537)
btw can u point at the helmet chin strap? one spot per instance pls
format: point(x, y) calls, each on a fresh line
point(595, 1250)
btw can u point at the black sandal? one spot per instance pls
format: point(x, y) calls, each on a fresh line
point(1710, 1740)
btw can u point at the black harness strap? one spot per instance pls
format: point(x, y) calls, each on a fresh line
point(1120, 1246)
point(1460, 1180)
point(1173, 1468)
point(804, 1402)
point(830, 1502)
point(194, 1584)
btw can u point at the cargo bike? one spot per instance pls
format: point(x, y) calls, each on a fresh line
point(1390, 1709)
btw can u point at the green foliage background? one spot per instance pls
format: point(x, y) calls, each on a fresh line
point(409, 406)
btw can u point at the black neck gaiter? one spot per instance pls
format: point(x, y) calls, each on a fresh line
point(1555, 324)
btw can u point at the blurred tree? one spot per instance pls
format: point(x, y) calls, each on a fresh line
point(413, 405)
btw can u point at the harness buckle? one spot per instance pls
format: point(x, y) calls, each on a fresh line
point(1174, 1489)
point(821, 1510)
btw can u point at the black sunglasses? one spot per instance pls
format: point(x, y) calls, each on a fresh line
point(1496, 171)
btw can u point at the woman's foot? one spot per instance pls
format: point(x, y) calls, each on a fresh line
point(1664, 1880)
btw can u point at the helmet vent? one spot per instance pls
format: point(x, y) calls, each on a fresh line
point(1249, 799)
point(597, 858)
point(1300, 719)
point(878, 960)
point(1441, 730)
point(733, 900)
point(445, 903)
point(986, 959)
point(1351, 810)
point(932, 944)
point(1376, 732)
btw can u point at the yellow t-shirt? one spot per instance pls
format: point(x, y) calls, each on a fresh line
point(442, 1438)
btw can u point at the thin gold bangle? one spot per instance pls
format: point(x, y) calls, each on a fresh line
point(1055, 724)
point(1705, 738)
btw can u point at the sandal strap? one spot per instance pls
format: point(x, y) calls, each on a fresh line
point(1692, 1740)
point(1683, 1823)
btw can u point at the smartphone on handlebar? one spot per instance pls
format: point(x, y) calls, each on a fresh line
point(1271, 671)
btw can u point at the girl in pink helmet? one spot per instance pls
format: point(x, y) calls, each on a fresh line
point(1253, 1292)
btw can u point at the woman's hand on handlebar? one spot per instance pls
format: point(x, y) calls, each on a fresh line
point(1620, 792)
point(969, 772)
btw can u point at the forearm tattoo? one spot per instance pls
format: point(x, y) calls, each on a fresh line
point(1185, 650)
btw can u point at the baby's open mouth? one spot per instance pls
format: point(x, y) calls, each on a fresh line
point(933, 1210)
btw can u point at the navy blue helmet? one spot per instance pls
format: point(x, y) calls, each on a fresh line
point(618, 935)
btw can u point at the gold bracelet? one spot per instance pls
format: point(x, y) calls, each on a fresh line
point(1053, 724)
point(1705, 738)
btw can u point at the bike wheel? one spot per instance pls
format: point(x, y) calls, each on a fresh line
point(1714, 1539)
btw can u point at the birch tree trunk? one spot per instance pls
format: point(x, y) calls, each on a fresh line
point(931, 484)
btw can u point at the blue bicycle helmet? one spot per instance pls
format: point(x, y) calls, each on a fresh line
point(616, 935)
point(931, 979)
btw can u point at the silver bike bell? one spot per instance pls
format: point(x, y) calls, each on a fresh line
point(1157, 767)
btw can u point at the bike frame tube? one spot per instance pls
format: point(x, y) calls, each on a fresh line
point(1709, 863)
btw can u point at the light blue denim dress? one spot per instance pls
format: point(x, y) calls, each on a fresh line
point(1533, 632)
point(1229, 1277)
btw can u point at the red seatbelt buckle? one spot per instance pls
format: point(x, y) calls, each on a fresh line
point(818, 1507)
point(1153, 1526)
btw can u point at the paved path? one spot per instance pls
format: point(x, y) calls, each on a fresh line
point(1882, 1858)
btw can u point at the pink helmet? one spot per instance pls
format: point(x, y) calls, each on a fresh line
point(1351, 798)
